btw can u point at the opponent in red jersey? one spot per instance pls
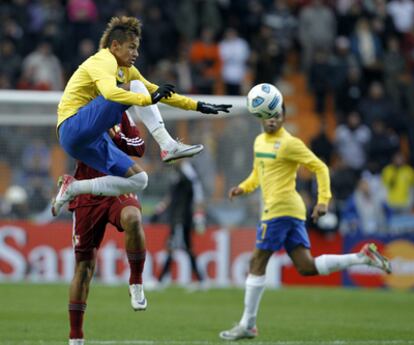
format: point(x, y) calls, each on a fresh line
point(91, 214)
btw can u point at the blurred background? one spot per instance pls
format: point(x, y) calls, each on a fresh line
point(345, 67)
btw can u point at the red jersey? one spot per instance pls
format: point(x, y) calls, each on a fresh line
point(128, 139)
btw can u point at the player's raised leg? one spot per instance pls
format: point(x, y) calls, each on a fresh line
point(152, 119)
point(329, 263)
point(135, 181)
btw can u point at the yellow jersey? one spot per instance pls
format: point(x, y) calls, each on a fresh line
point(277, 158)
point(398, 181)
point(99, 75)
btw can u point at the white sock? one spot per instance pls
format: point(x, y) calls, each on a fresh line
point(151, 117)
point(110, 185)
point(326, 264)
point(254, 290)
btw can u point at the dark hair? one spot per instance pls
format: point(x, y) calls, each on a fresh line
point(120, 29)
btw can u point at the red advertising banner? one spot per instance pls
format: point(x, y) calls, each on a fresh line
point(44, 253)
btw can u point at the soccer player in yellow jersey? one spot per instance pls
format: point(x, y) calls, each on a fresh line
point(100, 90)
point(277, 156)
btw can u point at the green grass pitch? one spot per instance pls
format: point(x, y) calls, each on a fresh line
point(37, 314)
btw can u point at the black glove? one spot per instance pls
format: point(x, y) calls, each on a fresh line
point(208, 108)
point(164, 91)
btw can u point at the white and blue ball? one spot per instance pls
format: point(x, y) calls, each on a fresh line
point(265, 101)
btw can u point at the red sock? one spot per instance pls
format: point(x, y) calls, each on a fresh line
point(76, 311)
point(136, 259)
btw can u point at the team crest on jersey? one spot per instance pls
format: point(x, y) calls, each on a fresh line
point(120, 74)
point(277, 145)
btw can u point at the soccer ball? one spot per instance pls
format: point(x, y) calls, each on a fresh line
point(264, 101)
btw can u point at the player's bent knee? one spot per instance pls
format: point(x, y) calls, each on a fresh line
point(138, 87)
point(131, 217)
point(307, 269)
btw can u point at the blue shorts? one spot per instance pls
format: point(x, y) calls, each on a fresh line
point(281, 232)
point(84, 136)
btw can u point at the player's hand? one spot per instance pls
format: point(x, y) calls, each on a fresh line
point(318, 211)
point(114, 131)
point(208, 108)
point(235, 191)
point(164, 91)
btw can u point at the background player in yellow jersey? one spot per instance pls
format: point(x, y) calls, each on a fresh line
point(93, 102)
point(277, 157)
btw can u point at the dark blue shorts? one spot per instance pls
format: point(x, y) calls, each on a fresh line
point(84, 136)
point(287, 232)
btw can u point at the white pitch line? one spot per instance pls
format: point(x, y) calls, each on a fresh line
point(207, 342)
point(276, 342)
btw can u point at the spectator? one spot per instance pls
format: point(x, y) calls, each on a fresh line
point(86, 48)
point(402, 13)
point(367, 48)
point(10, 60)
point(376, 106)
point(320, 79)
point(382, 145)
point(317, 30)
point(234, 53)
point(42, 69)
point(210, 16)
point(267, 57)
point(382, 22)
point(283, 23)
point(340, 64)
point(408, 49)
point(249, 17)
point(186, 28)
point(183, 70)
point(348, 13)
point(351, 140)
point(158, 40)
point(365, 211)
point(206, 61)
point(343, 181)
point(398, 178)
point(396, 83)
point(322, 145)
point(350, 93)
point(82, 16)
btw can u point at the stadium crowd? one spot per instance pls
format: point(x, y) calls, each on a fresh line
point(358, 53)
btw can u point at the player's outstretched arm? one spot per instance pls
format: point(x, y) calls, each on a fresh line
point(208, 108)
point(318, 211)
point(235, 191)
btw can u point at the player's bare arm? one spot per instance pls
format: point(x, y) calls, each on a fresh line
point(318, 211)
point(235, 191)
